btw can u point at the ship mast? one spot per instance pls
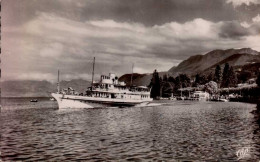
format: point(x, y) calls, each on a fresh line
point(58, 83)
point(132, 74)
point(93, 70)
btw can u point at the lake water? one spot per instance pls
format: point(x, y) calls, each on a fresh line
point(168, 130)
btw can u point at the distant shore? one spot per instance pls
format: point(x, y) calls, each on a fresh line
point(14, 97)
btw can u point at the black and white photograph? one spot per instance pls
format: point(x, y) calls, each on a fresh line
point(130, 80)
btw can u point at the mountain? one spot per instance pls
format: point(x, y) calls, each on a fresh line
point(200, 63)
point(139, 79)
point(79, 85)
point(29, 88)
point(238, 58)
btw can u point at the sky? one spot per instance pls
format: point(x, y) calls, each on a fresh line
point(41, 36)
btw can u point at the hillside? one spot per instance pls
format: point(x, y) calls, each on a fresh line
point(139, 79)
point(26, 88)
point(199, 63)
point(30, 88)
point(237, 61)
point(238, 58)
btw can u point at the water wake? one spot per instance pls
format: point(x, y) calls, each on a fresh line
point(149, 105)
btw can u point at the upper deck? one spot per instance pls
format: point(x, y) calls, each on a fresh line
point(111, 84)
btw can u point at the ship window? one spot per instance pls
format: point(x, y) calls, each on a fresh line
point(113, 95)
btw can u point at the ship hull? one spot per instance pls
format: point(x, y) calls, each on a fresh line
point(72, 101)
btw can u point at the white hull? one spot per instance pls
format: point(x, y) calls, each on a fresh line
point(73, 101)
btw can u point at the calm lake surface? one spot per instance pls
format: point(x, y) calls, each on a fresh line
point(168, 130)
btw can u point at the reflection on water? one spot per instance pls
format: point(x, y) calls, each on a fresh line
point(256, 125)
point(176, 130)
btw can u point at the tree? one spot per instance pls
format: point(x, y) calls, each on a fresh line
point(184, 80)
point(217, 75)
point(203, 79)
point(171, 79)
point(197, 80)
point(165, 78)
point(177, 83)
point(155, 84)
point(258, 80)
point(210, 77)
point(211, 87)
point(231, 78)
point(166, 89)
point(225, 81)
point(244, 76)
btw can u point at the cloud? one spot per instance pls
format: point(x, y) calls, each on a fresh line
point(233, 30)
point(52, 50)
point(237, 3)
point(245, 24)
point(256, 19)
point(254, 22)
point(32, 76)
point(112, 24)
point(149, 13)
point(50, 42)
point(195, 29)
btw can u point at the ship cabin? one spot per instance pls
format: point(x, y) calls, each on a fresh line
point(111, 87)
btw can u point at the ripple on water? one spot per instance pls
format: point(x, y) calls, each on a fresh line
point(162, 131)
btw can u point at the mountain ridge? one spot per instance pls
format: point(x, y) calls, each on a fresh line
point(206, 63)
point(32, 88)
point(199, 63)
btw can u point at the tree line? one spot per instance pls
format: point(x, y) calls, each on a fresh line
point(165, 86)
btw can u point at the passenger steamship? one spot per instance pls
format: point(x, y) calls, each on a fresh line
point(108, 91)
